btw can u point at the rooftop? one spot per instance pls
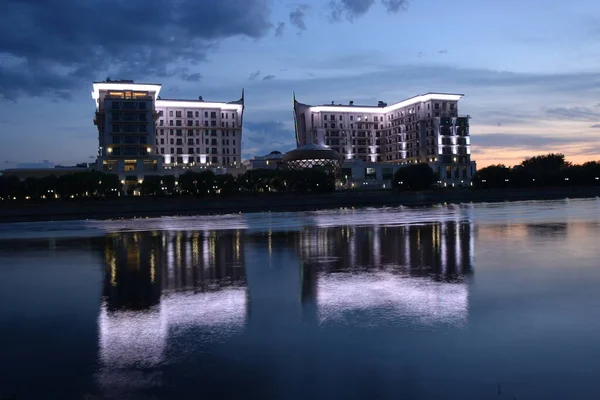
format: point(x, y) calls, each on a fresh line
point(383, 107)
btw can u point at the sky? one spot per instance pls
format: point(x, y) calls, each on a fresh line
point(530, 70)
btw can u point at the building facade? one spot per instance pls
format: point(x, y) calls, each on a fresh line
point(140, 134)
point(125, 118)
point(422, 129)
point(200, 133)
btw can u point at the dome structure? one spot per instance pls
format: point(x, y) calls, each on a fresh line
point(313, 156)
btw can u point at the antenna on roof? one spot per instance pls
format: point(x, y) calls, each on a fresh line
point(332, 102)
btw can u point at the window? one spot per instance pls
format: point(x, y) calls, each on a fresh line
point(172, 150)
point(205, 114)
point(206, 141)
point(179, 132)
point(178, 114)
point(171, 123)
point(190, 114)
point(170, 113)
point(162, 150)
point(213, 123)
point(222, 115)
point(197, 114)
point(213, 114)
point(340, 117)
point(160, 113)
point(177, 123)
point(325, 125)
point(190, 122)
point(162, 141)
point(172, 141)
point(351, 118)
point(324, 117)
point(161, 122)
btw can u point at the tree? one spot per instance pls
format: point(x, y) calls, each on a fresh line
point(414, 177)
point(493, 176)
point(546, 169)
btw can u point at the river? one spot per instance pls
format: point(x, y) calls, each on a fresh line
point(471, 301)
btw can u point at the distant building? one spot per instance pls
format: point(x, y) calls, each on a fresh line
point(273, 160)
point(141, 134)
point(422, 129)
point(356, 174)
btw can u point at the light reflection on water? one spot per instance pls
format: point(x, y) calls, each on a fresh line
point(320, 304)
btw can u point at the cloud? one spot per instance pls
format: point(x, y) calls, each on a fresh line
point(297, 17)
point(393, 6)
point(595, 126)
point(195, 77)
point(268, 77)
point(574, 113)
point(279, 29)
point(254, 75)
point(523, 140)
point(443, 51)
point(262, 137)
point(64, 44)
point(353, 9)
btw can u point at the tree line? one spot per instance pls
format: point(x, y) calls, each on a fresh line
point(201, 184)
point(550, 170)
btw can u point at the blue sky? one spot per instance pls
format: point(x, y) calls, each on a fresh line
point(529, 69)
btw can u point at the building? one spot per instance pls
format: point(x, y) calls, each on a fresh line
point(422, 129)
point(200, 133)
point(125, 116)
point(356, 174)
point(273, 160)
point(313, 156)
point(140, 134)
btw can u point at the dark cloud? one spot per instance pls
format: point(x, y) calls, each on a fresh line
point(595, 126)
point(195, 77)
point(62, 44)
point(269, 77)
point(297, 17)
point(574, 113)
point(352, 9)
point(254, 75)
point(443, 52)
point(279, 29)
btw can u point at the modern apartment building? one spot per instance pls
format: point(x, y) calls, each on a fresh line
point(126, 134)
point(422, 129)
point(200, 133)
point(139, 133)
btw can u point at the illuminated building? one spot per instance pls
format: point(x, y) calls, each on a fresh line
point(126, 134)
point(139, 133)
point(422, 129)
point(313, 156)
point(198, 132)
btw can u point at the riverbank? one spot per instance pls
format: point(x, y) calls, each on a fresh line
point(131, 207)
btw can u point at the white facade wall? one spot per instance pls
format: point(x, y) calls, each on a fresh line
point(423, 129)
point(198, 133)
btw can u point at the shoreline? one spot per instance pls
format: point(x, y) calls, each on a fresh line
point(142, 207)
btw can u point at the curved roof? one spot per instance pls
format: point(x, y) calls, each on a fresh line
point(312, 151)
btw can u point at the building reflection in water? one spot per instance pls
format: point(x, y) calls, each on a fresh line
point(412, 271)
point(159, 284)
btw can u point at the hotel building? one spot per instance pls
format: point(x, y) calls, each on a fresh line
point(139, 133)
point(422, 129)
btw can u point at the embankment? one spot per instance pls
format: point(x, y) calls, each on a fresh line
point(130, 207)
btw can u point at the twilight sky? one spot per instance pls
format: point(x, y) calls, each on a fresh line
point(529, 69)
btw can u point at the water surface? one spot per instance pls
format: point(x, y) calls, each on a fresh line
point(466, 301)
